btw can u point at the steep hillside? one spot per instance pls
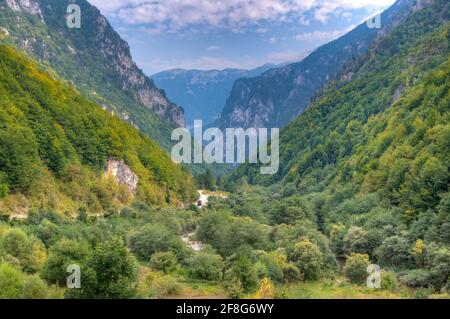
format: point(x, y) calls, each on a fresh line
point(369, 162)
point(278, 96)
point(337, 125)
point(94, 58)
point(55, 144)
point(202, 94)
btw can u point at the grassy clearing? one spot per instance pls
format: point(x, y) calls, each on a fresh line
point(195, 289)
point(340, 289)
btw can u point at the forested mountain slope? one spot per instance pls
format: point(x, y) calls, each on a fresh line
point(94, 58)
point(280, 95)
point(337, 125)
point(369, 162)
point(55, 144)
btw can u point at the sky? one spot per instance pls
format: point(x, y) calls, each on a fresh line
point(219, 34)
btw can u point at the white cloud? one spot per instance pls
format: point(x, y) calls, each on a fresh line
point(234, 15)
point(322, 35)
point(289, 56)
point(201, 63)
point(213, 48)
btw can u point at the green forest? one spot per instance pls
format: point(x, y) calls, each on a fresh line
point(55, 144)
point(364, 179)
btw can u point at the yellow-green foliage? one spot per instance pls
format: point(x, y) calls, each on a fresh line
point(54, 145)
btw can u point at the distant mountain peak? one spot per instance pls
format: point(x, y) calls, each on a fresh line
point(202, 93)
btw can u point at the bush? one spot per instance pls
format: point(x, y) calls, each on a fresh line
point(110, 273)
point(48, 232)
point(417, 278)
point(273, 263)
point(128, 213)
point(389, 281)
point(356, 268)
point(156, 285)
point(394, 252)
point(439, 262)
point(4, 189)
point(266, 290)
point(441, 223)
point(242, 269)
point(447, 286)
point(309, 259)
point(30, 254)
point(154, 238)
point(164, 261)
point(167, 286)
point(34, 288)
point(206, 266)
point(62, 254)
point(356, 241)
point(292, 273)
point(11, 282)
point(234, 289)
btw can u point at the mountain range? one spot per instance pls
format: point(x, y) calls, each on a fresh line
point(202, 94)
point(278, 96)
point(363, 178)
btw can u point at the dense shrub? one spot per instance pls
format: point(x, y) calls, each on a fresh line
point(389, 280)
point(439, 263)
point(155, 238)
point(164, 261)
point(266, 290)
point(61, 255)
point(356, 268)
point(394, 252)
point(11, 282)
point(234, 288)
point(416, 278)
point(309, 259)
point(242, 269)
point(35, 288)
point(110, 273)
point(292, 273)
point(273, 264)
point(29, 252)
point(157, 285)
point(206, 266)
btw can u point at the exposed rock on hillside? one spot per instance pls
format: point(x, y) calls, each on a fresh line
point(122, 173)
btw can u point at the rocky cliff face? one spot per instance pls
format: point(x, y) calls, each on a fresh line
point(94, 58)
point(123, 174)
point(132, 78)
point(29, 6)
point(280, 95)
